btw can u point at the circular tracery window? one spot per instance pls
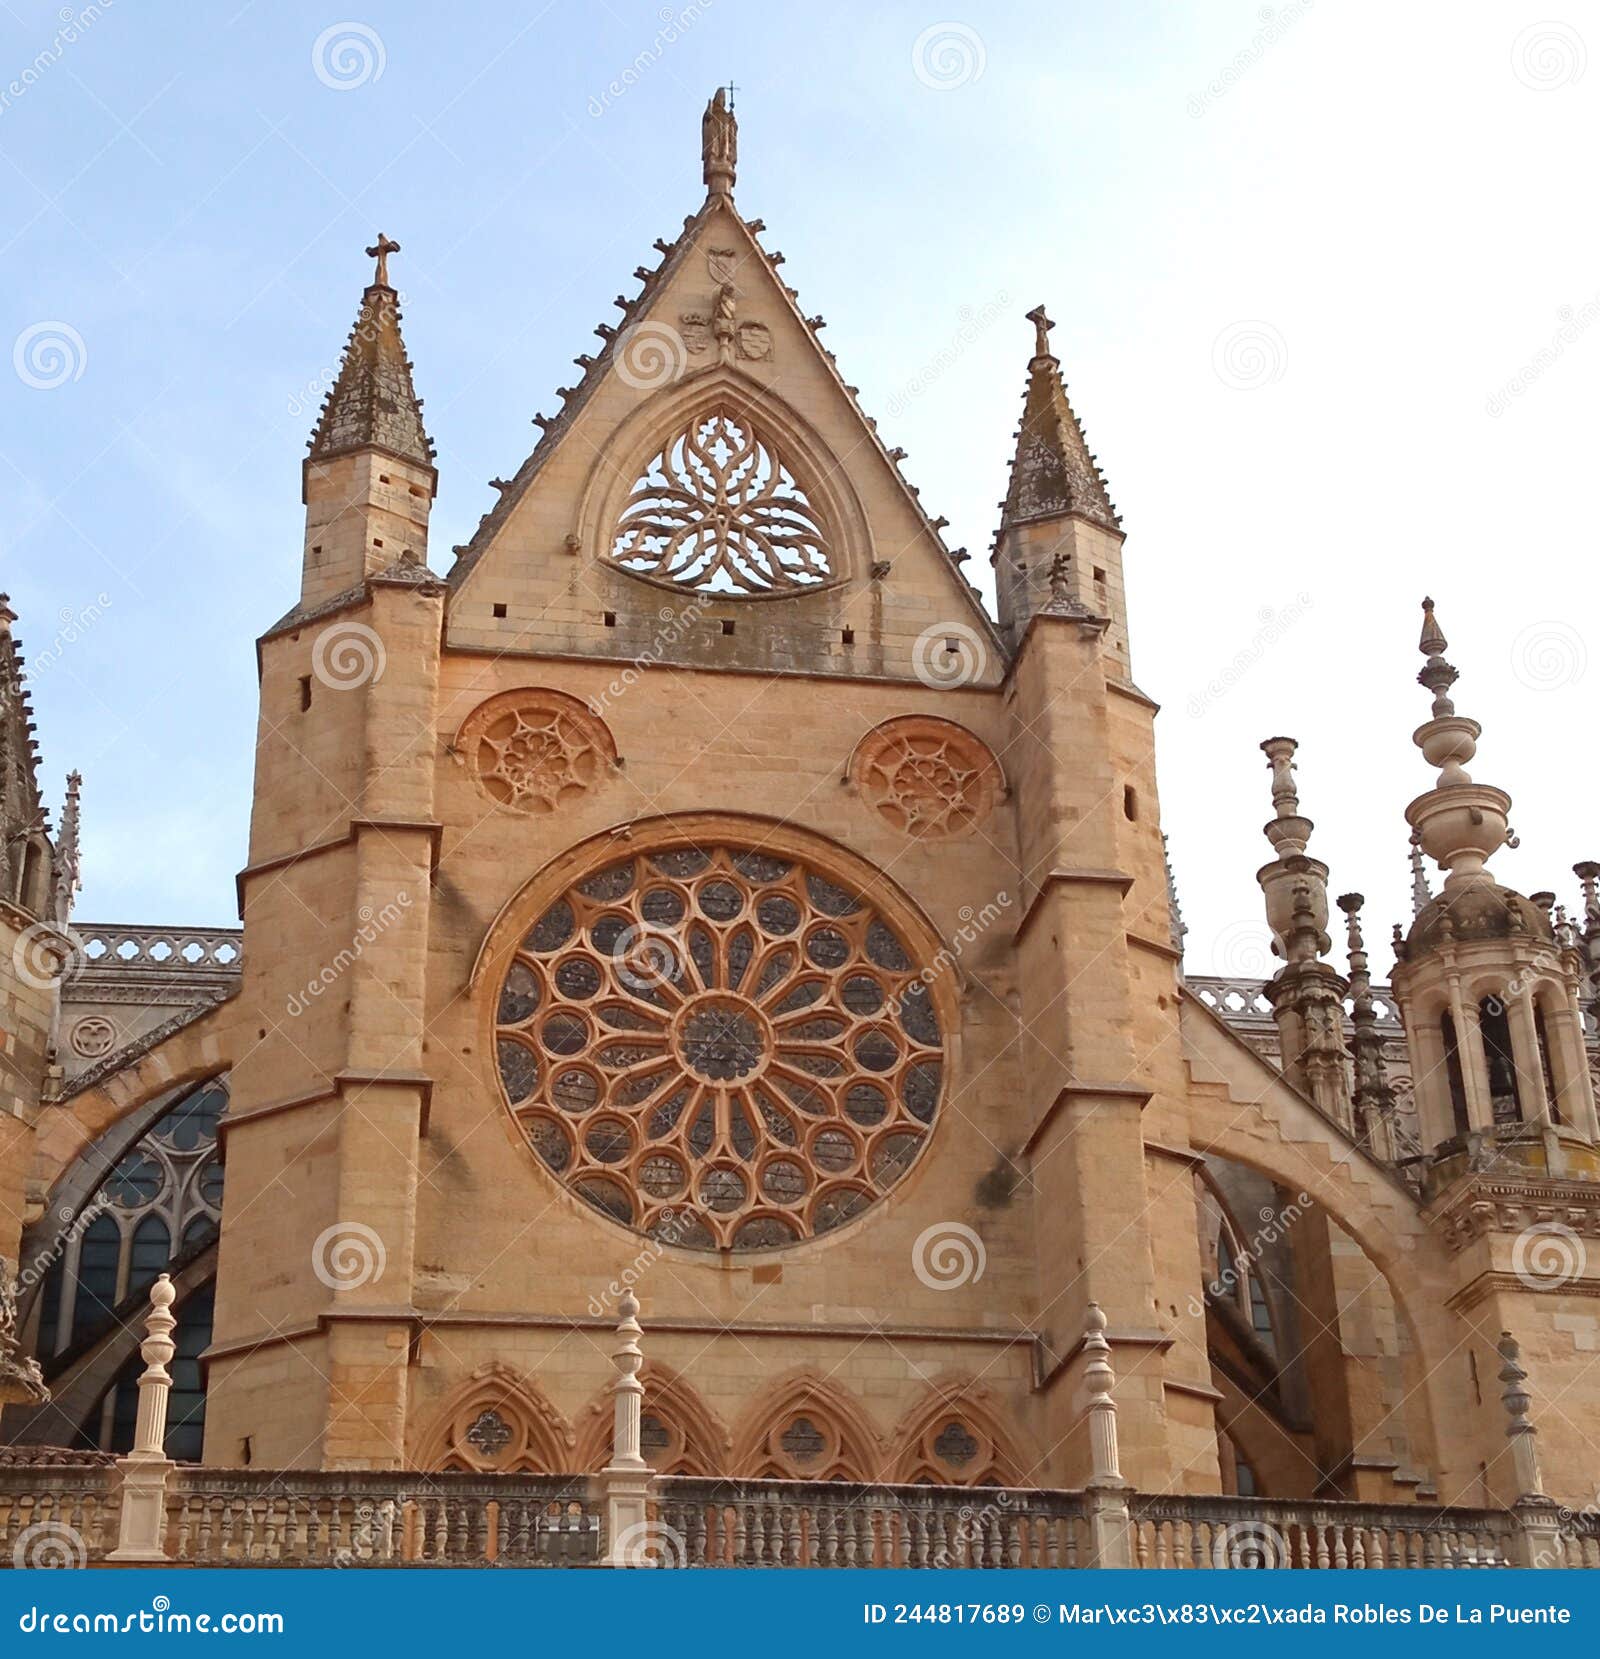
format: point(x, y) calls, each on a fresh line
point(719, 1047)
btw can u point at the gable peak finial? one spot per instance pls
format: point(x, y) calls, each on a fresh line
point(1041, 331)
point(380, 251)
point(719, 142)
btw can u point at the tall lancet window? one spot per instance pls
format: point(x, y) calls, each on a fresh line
point(1452, 1071)
point(719, 510)
point(1496, 1030)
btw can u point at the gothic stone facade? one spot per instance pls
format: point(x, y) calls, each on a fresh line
point(694, 889)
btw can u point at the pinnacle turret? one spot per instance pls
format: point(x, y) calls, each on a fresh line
point(1053, 472)
point(373, 404)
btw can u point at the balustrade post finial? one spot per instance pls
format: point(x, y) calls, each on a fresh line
point(1099, 1378)
point(1519, 1429)
point(627, 1478)
point(142, 1521)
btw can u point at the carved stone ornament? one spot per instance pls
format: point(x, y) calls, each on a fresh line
point(927, 778)
point(695, 327)
point(723, 264)
point(532, 751)
point(755, 342)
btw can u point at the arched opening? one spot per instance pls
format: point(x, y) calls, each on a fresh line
point(1547, 1070)
point(1494, 1028)
point(1453, 1073)
point(1310, 1354)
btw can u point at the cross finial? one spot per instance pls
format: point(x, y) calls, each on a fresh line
point(1041, 331)
point(380, 251)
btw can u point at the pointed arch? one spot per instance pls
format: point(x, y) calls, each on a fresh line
point(497, 1421)
point(679, 1433)
point(659, 420)
point(955, 1436)
point(806, 1428)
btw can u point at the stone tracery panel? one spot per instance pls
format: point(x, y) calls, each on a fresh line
point(720, 1047)
point(534, 750)
point(719, 510)
point(927, 778)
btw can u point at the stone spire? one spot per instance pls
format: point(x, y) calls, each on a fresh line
point(1459, 824)
point(1421, 892)
point(1180, 928)
point(1053, 472)
point(1374, 1099)
point(373, 404)
point(1306, 994)
point(719, 144)
point(68, 879)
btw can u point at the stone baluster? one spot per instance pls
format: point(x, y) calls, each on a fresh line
point(1538, 1542)
point(627, 1479)
point(142, 1525)
point(1106, 1490)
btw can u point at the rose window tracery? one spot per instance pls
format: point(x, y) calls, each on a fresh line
point(719, 510)
point(532, 751)
point(928, 778)
point(720, 1047)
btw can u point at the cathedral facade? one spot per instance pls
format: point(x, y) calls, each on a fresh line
point(686, 890)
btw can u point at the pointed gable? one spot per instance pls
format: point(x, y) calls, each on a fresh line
point(373, 404)
point(712, 448)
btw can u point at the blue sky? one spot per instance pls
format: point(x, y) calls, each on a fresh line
point(1327, 285)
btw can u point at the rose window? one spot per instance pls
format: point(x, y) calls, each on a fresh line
point(719, 511)
point(533, 751)
point(719, 1047)
point(928, 778)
